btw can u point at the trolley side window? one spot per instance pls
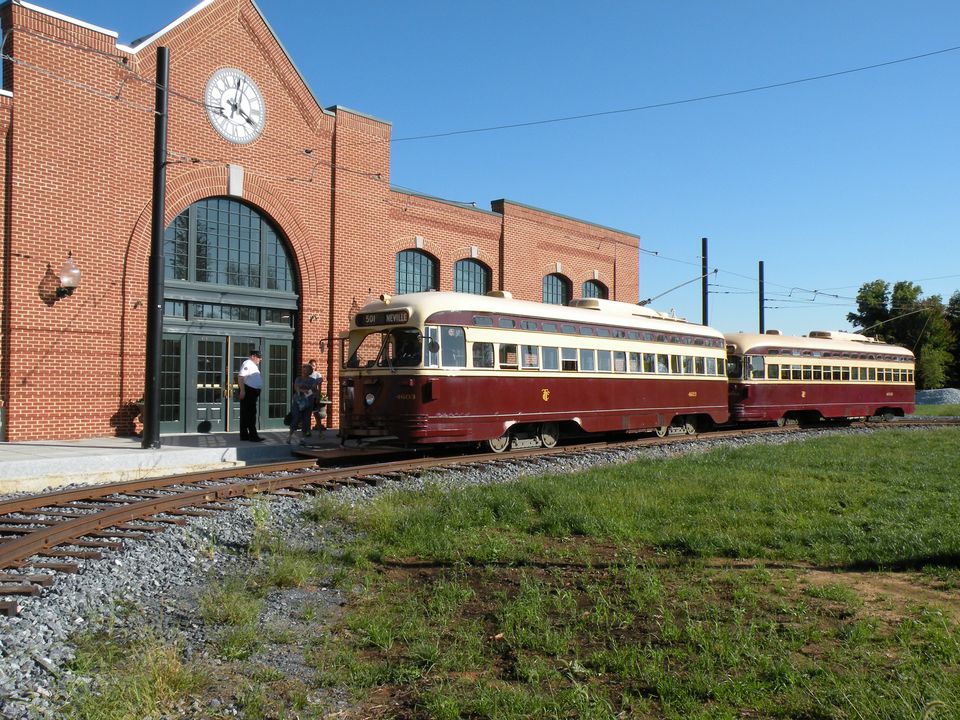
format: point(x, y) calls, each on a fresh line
point(530, 357)
point(757, 371)
point(588, 362)
point(453, 347)
point(711, 366)
point(663, 363)
point(568, 359)
point(603, 361)
point(508, 357)
point(551, 358)
point(483, 355)
point(619, 361)
point(649, 362)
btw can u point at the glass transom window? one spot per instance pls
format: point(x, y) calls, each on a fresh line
point(224, 242)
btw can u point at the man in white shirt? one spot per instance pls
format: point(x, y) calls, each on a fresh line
point(251, 383)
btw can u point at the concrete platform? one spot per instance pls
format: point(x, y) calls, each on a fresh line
point(36, 465)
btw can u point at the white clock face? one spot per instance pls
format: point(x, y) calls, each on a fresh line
point(235, 106)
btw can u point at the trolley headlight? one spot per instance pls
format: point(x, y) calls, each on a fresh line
point(369, 398)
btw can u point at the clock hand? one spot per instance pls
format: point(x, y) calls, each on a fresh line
point(245, 116)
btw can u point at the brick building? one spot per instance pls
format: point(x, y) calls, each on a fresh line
point(280, 222)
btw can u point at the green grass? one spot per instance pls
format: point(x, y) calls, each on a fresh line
point(885, 500)
point(136, 676)
point(810, 580)
point(937, 410)
point(622, 591)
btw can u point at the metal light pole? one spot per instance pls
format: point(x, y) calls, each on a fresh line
point(760, 271)
point(705, 285)
point(151, 390)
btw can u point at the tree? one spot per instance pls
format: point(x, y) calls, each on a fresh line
point(905, 318)
point(953, 317)
point(872, 308)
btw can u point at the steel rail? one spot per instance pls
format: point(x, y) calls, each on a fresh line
point(32, 502)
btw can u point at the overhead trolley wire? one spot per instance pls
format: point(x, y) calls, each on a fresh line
point(684, 101)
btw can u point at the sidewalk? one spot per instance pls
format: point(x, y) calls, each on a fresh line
point(39, 464)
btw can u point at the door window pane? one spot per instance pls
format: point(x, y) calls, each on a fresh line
point(454, 347)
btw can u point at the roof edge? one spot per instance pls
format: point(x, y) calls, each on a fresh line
point(65, 18)
point(567, 217)
point(140, 43)
point(333, 109)
point(434, 198)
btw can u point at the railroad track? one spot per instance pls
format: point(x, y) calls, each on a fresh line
point(52, 531)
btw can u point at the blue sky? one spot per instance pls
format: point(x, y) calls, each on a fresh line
point(831, 183)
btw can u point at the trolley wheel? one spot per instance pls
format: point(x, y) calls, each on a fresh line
point(887, 416)
point(662, 430)
point(690, 427)
point(499, 444)
point(781, 421)
point(549, 434)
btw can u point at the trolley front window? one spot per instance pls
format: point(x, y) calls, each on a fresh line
point(399, 347)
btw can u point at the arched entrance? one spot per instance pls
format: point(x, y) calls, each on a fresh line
point(229, 288)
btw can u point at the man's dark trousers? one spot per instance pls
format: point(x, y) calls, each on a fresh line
point(248, 413)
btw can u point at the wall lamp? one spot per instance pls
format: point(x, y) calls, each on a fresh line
point(69, 277)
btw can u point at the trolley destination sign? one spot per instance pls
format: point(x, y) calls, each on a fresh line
point(388, 317)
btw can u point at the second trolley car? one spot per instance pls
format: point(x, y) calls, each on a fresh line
point(824, 375)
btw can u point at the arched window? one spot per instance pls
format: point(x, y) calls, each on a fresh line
point(416, 272)
point(595, 289)
point(556, 289)
point(471, 276)
point(224, 242)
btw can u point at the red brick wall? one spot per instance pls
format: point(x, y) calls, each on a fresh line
point(534, 241)
point(448, 231)
point(77, 172)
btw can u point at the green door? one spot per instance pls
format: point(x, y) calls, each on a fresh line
point(206, 406)
point(275, 401)
point(275, 368)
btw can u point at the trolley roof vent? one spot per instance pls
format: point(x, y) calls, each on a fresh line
point(505, 294)
point(772, 332)
point(839, 335)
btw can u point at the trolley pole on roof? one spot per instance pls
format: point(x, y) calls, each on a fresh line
point(151, 389)
point(760, 275)
point(704, 284)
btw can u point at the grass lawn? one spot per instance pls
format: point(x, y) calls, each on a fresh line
point(814, 580)
point(937, 410)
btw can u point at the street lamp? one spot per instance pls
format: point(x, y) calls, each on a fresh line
point(69, 277)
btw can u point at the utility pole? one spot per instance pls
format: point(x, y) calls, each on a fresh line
point(151, 390)
point(704, 284)
point(760, 275)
